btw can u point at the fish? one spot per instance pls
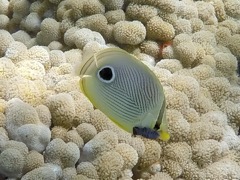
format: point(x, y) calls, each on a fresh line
point(125, 90)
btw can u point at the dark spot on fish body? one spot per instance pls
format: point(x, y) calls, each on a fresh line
point(145, 132)
point(106, 73)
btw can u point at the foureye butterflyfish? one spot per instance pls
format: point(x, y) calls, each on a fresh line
point(126, 91)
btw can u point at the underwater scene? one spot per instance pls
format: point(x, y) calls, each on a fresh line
point(120, 89)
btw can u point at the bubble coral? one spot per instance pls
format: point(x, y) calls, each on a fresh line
point(86, 131)
point(218, 88)
point(33, 160)
point(115, 16)
point(109, 165)
point(129, 155)
point(157, 29)
point(103, 141)
point(62, 109)
point(40, 173)
point(232, 8)
point(126, 32)
point(61, 153)
point(87, 169)
point(50, 31)
point(11, 163)
point(6, 40)
point(142, 13)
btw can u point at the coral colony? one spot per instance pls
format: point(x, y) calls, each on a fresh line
point(50, 130)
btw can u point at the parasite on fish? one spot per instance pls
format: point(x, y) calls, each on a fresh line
point(126, 91)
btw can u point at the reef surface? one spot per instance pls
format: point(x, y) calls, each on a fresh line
point(49, 129)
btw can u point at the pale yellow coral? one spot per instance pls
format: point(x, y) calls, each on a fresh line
point(161, 175)
point(73, 56)
point(14, 50)
point(30, 69)
point(223, 169)
point(178, 126)
point(11, 144)
point(206, 152)
point(151, 154)
point(203, 72)
point(151, 48)
point(186, 52)
point(109, 165)
point(230, 24)
point(126, 32)
point(204, 130)
point(182, 26)
point(234, 43)
point(86, 131)
point(7, 68)
point(209, 60)
point(101, 122)
point(96, 22)
point(180, 38)
point(218, 88)
point(82, 108)
point(180, 152)
point(232, 8)
point(196, 24)
point(69, 173)
point(55, 45)
point(50, 31)
point(32, 22)
point(171, 167)
point(44, 115)
point(33, 160)
point(187, 85)
point(40, 173)
point(141, 13)
point(58, 132)
point(138, 144)
point(93, 7)
point(87, 169)
point(4, 7)
point(206, 12)
point(62, 154)
point(103, 141)
point(226, 63)
point(27, 90)
point(73, 136)
point(4, 21)
point(62, 109)
point(6, 40)
point(113, 4)
point(232, 110)
point(176, 100)
point(129, 155)
point(186, 10)
point(56, 57)
point(191, 170)
point(19, 113)
point(35, 136)
point(115, 16)
point(157, 29)
point(11, 163)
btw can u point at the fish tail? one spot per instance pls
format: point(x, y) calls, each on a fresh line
point(163, 130)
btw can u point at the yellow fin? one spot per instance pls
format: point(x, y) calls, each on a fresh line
point(164, 136)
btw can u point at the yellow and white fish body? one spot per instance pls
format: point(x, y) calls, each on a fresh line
point(124, 89)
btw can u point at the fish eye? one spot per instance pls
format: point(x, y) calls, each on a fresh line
point(106, 74)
